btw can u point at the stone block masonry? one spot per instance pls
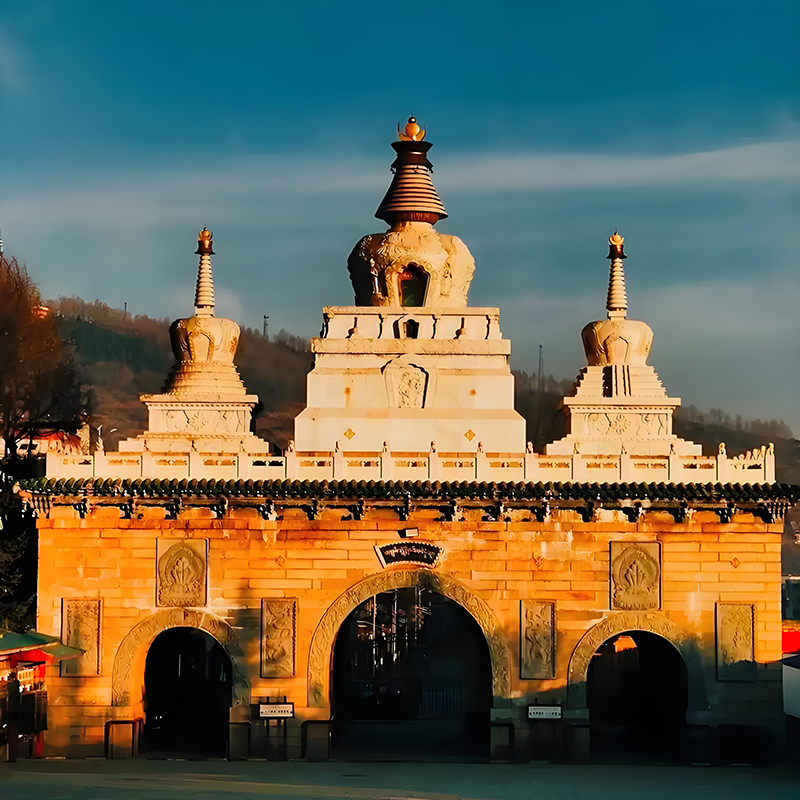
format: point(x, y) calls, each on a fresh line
point(546, 594)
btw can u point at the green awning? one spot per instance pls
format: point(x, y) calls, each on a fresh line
point(11, 643)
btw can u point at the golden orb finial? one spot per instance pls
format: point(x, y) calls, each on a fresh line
point(413, 132)
point(204, 243)
point(616, 247)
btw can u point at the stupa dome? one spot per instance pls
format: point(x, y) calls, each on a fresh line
point(617, 339)
point(204, 345)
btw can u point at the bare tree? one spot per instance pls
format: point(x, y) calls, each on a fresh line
point(39, 386)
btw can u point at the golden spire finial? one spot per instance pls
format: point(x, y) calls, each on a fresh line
point(204, 243)
point(617, 301)
point(413, 132)
point(204, 292)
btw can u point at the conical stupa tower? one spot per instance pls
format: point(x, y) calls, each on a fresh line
point(412, 195)
point(204, 406)
point(412, 264)
point(410, 367)
point(618, 404)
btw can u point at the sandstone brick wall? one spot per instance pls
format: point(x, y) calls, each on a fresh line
point(563, 560)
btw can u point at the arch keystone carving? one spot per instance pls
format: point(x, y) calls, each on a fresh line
point(320, 653)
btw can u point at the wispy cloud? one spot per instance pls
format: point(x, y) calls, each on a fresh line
point(540, 172)
point(243, 188)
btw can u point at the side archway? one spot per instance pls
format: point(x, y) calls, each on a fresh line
point(130, 657)
point(319, 657)
point(649, 622)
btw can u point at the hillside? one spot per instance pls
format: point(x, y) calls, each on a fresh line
point(121, 357)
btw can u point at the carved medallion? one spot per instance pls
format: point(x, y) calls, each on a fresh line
point(181, 579)
point(80, 627)
point(537, 642)
point(278, 625)
point(635, 575)
point(736, 642)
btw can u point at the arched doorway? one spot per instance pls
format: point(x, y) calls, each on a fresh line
point(411, 678)
point(187, 694)
point(637, 691)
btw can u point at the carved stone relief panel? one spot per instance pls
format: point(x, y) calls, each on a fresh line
point(537, 640)
point(278, 634)
point(80, 627)
point(635, 575)
point(181, 572)
point(406, 385)
point(736, 642)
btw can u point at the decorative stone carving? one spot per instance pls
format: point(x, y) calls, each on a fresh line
point(181, 566)
point(325, 634)
point(407, 385)
point(378, 261)
point(650, 622)
point(131, 652)
point(278, 626)
point(736, 642)
point(537, 645)
point(80, 627)
point(635, 575)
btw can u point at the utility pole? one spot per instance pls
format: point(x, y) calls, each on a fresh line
point(540, 383)
point(125, 312)
point(539, 390)
point(266, 327)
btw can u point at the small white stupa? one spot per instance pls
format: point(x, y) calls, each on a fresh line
point(618, 403)
point(204, 406)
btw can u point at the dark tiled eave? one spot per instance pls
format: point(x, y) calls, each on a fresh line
point(768, 501)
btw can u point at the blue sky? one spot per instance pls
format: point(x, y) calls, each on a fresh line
point(128, 126)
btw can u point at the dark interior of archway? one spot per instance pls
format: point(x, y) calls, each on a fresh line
point(188, 685)
point(411, 679)
point(637, 692)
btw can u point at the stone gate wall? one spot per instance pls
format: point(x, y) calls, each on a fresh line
point(546, 594)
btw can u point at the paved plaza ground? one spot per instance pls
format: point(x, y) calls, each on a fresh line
point(165, 780)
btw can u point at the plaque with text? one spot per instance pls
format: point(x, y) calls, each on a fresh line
point(544, 712)
point(425, 554)
point(276, 710)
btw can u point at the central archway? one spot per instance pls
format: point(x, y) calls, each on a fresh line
point(411, 680)
point(321, 650)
